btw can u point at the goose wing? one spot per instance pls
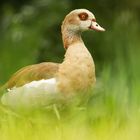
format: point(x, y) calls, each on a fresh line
point(45, 70)
point(32, 86)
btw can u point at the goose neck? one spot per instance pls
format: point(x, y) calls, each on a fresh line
point(71, 37)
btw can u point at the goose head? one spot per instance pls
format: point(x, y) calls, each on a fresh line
point(75, 23)
point(80, 20)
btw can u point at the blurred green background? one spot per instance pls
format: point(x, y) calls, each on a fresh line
point(30, 33)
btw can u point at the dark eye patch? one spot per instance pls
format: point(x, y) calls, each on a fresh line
point(83, 16)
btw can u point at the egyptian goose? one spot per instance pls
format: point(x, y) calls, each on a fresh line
point(36, 85)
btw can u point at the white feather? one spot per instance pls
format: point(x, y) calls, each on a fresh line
point(51, 81)
point(33, 94)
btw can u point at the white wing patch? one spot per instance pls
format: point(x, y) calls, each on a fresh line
point(49, 85)
point(33, 94)
point(38, 83)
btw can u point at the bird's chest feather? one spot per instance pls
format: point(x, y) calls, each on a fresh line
point(77, 72)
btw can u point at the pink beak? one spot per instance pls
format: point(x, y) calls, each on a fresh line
point(95, 26)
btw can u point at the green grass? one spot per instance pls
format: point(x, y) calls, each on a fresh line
point(76, 127)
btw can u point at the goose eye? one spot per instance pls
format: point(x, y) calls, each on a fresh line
point(83, 16)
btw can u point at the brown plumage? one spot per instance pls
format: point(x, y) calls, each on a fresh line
point(45, 80)
point(45, 70)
